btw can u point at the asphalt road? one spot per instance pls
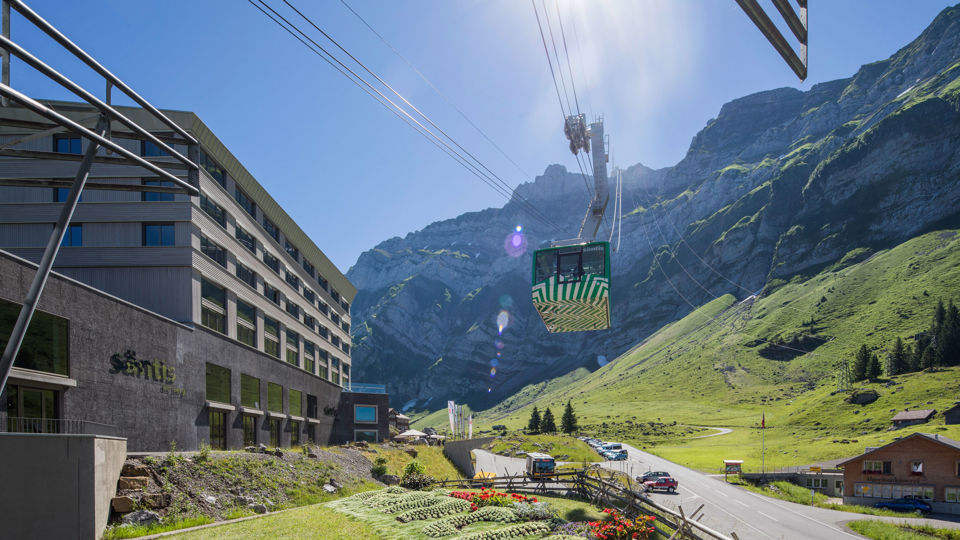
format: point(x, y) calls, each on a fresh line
point(726, 508)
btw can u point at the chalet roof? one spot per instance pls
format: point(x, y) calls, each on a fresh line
point(402, 417)
point(921, 414)
point(935, 438)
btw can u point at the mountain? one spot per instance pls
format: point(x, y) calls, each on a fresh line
point(780, 185)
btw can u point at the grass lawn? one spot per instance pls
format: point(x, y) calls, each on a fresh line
point(438, 466)
point(881, 530)
point(801, 495)
point(308, 522)
point(561, 447)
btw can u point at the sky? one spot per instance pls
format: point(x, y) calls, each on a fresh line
point(352, 174)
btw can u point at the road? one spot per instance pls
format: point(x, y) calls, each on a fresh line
point(727, 508)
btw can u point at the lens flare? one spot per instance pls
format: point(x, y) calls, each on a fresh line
point(503, 320)
point(489, 389)
point(498, 344)
point(499, 354)
point(493, 371)
point(515, 244)
point(601, 360)
point(494, 362)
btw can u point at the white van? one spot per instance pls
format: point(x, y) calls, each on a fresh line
point(540, 465)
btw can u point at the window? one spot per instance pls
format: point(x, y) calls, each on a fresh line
point(345, 305)
point(335, 318)
point(309, 321)
point(293, 309)
point(215, 171)
point(346, 370)
point(309, 295)
point(292, 250)
point(276, 426)
point(73, 237)
point(271, 229)
point(593, 260)
point(838, 486)
point(311, 406)
point(218, 383)
point(892, 491)
point(67, 144)
point(323, 307)
point(272, 262)
point(322, 330)
point(292, 279)
point(271, 293)
point(296, 402)
point(346, 326)
point(60, 194)
point(365, 414)
point(158, 234)
point(335, 295)
point(345, 347)
point(569, 267)
point(246, 323)
point(309, 363)
point(951, 494)
point(368, 435)
point(308, 267)
point(45, 346)
point(245, 202)
point(213, 306)
point(249, 391)
point(817, 483)
point(246, 240)
point(249, 430)
point(335, 340)
point(323, 357)
point(246, 275)
point(876, 467)
point(293, 348)
point(213, 250)
point(271, 337)
point(294, 433)
point(149, 149)
point(916, 468)
point(218, 430)
point(322, 282)
point(32, 410)
point(154, 196)
point(274, 398)
point(214, 210)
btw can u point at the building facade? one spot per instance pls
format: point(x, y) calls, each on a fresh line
point(222, 293)
point(921, 465)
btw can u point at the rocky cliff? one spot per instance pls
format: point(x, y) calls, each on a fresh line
point(781, 183)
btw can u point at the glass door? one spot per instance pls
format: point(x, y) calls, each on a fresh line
point(32, 410)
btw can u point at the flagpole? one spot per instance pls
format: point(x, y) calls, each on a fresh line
point(763, 446)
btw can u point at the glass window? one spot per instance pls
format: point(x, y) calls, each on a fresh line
point(60, 194)
point(323, 307)
point(218, 383)
point(293, 309)
point(346, 326)
point(246, 323)
point(213, 250)
point(276, 426)
point(368, 435)
point(249, 430)
point(153, 196)
point(309, 321)
point(951, 494)
point(309, 363)
point(213, 306)
point(308, 267)
point(322, 282)
point(214, 210)
point(271, 337)
point(294, 433)
point(274, 397)
point(916, 467)
point(335, 295)
point(246, 275)
point(73, 237)
point(593, 260)
point(67, 144)
point(293, 348)
point(570, 269)
point(45, 346)
point(335, 318)
point(296, 402)
point(246, 240)
point(271, 229)
point(322, 330)
point(311, 406)
point(345, 347)
point(215, 171)
point(292, 250)
point(149, 149)
point(309, 295)
point(292, 279)
point(546, 265)
point(245, 202)
point(249, 391)
point(335, 340)
point(335, 363)
point(271, 293)
point(213, 293)
point(345, 305)
point(218, 430)
point(158, 234)
point(272, 262)
point(366, 414)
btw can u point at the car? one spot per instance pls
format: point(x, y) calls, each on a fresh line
point(666, 483)
point(652, 475)
point(909, 503)
point(616, 456)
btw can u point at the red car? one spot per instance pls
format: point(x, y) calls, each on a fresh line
point(664, 482)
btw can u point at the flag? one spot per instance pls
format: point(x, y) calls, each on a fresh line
point(471, 427)
point(763, 421)
point(450, 406)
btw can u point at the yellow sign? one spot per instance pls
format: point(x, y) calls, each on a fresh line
point(815, 469)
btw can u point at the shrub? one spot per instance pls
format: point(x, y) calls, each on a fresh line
point(204, 454)
point(534, 511)
point(416, 481)
point(513, 531)
point(414, 467)
point(443, 509)
point(449, 525)
point(379, 467)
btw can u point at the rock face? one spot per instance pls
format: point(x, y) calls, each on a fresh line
point(782, 182)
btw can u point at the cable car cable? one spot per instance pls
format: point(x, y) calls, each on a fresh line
point(566, 53)
point(553, 42)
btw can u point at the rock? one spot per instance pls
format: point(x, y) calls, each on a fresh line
point(141, 517)
point(258, 508)
point(312, 455)
point(361, 444)
point(329, 489)
point(863, 397)
point(210, 499)
point(335, 484)
point(390, 479)
point(412, 453)
point(251, 449)
point(157, 500)
point(133, 468)
point(122, 504)
point(268, 502)
point(263, 448)
point(132, 482)
point(245, 501)
point(278, 452)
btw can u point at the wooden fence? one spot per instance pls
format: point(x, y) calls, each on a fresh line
point(590, 485)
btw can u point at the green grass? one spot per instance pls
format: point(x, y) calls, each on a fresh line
point(133, 531)
point(307, 522)
point(561, 447)
point(882, 530)
point(437, 465)
point(801, 495)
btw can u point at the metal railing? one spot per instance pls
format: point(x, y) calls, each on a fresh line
point(365, 388)
point(14, 424)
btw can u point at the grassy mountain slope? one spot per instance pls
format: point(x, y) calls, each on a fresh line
point(728, 362)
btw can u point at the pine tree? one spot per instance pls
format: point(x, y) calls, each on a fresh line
point(929, 358)
point(915, 356)
point(948, 337)
point(568, 424)
point(938, 317)
point(533, 426)
point(860, 363)
point(873, 367)
point(547, 424)
point(898, 361)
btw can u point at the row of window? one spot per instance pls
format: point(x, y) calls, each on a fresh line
point(153, 234)
point(886, 467)
point(213, 315)
point(219, 389)
point(892, 491)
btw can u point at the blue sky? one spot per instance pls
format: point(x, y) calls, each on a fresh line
point(352, 174)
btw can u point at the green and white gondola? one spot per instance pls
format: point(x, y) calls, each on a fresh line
point(571, 286)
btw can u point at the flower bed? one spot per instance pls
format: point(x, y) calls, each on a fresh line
point(443, 509)
point(449, 526)
point(621, 528)
point(491, 497)
point(513, 531)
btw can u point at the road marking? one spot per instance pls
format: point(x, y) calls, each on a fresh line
point(804, 516)
point(741, 502)
point(768, 516)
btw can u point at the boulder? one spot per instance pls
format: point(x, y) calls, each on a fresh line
point(335, 484)
point(133, 468)
point(863, 397)
point(210, 499)
point(251, 449)
point(141, 517)
point(361, 444)
point(278, 452)
point(312, 455)
point(157, 500)
point(132, 482)
point(412, 453)
point(122, 504)
point(245, 501)
point(258, 508)
point(329, 489)
point(390, 479)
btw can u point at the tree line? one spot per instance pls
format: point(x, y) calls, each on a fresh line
point(547, 424)
point(938, 346)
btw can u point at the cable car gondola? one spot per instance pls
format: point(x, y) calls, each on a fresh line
point(571, 286)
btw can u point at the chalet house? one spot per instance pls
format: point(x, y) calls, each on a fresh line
point(909, 418)
point(398, 421)
point(952, 415)
point(921, 464)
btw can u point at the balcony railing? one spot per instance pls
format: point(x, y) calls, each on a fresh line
point(365, 388)
point(57, 425)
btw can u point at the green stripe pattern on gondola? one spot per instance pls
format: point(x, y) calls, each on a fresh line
point(574, 307)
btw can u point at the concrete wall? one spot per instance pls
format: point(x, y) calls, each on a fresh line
point(459, 453)
point(58, 486)
point(344, 425)
point(800, 479)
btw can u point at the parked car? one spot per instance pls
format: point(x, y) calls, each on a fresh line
point(613, 446)
point(666, 483)
point(909, 503)
point(616, 456)
point(652, 475)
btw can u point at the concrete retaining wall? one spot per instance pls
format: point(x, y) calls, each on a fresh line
point(58, 486)
point(459, 453)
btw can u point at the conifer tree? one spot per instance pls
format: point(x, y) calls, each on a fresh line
point(860, 363)
point(929, 358)
point(948, 337)
point(873, 367)
point(915, 356)
point(568, 424)
point(547, 423)
point(533, 426)
point(898, 361)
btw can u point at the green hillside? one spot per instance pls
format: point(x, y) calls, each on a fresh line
point(732, 360)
